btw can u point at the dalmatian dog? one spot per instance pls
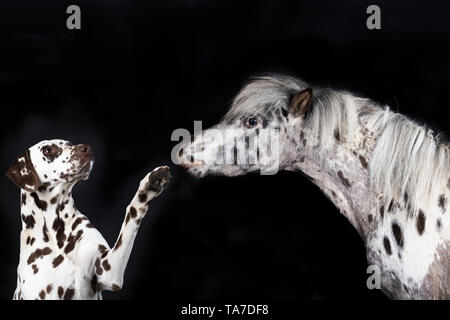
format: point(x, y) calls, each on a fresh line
point(62, 256)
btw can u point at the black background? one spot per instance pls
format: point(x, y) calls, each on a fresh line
point(137, 70)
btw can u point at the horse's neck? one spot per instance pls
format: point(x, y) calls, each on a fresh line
point(341, 172)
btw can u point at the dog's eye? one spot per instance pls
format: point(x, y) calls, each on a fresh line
point(251, 122)
point(47, 150)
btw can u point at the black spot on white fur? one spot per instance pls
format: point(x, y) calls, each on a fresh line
point(398, 235)
point(41, 204)
point(29, 221)
point(344, 180)
point(420, 222)
point(387, 245)
point(438, 225)
point(442, 202)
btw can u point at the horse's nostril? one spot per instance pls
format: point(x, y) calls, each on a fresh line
point(192, 159)
point(180, 153)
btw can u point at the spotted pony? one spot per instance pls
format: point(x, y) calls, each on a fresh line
point(389, 176)
point(62, 256)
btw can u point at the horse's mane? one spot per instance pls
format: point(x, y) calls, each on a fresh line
point(408, 161)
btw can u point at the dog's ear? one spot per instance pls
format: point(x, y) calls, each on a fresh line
point(23, 174)
point(301, 102)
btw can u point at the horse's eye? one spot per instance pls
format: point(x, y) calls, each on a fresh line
point(251, 122)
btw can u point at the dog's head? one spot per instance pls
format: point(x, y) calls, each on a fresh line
point(51, 162)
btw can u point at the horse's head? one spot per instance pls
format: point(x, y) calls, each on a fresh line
point(259, 132)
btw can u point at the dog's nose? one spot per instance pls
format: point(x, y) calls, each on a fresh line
point(83, 151)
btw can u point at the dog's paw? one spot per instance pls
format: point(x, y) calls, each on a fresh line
point(157, 180)
point(149, 188)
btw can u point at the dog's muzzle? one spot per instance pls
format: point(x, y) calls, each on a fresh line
point(83, 153)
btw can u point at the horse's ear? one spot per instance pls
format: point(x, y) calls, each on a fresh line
point(23, 174)
point(301, 102)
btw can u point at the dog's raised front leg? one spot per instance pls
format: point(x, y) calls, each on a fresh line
point(110, 266)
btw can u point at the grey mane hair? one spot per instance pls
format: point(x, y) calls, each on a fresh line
point(264, 96)
point(267, 95)
point(332, 113)
point(407, 158)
